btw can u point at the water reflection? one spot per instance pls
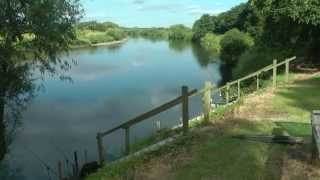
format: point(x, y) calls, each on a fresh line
point(16, 89)
point(203, 56)
point(227, 73)
point(179, 45)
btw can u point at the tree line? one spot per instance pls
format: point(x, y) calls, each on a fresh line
point(257, 31)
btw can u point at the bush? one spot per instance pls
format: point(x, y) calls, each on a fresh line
point(100, 38)
point(212, 42)
point(180, 32)
point(81, 42)
point(233, 45)
point(117, 34)
point(257, 58)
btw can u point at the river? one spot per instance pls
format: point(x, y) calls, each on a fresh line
point(110, 85)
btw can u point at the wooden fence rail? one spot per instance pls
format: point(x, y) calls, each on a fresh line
point(274, 67)
point(183, 99)
point(206, 93)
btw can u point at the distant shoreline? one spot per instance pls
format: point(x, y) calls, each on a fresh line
point(101, 44)
point(110, 43)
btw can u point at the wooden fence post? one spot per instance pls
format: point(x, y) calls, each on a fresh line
point(60, 170)
point(287, 71)
point(274, 77)
point(206, 100)
point(85, 156)
point(239, 90)
point(100, 149)
point(258, 82)
point(227, 93)
point(315, 123)
point(185, 109)
point(76, 163)
point(158, 125)
point(127, 140)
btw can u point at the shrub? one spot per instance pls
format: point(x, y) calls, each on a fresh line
point(99, 38)
point(180, 32)
point(257, 58)
point(233, 45)
point(117, 34)
point(212, 42)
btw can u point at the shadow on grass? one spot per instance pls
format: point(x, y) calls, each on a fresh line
point(305, 95)
point(220, 156)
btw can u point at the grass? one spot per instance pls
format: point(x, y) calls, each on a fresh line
point(212, 152)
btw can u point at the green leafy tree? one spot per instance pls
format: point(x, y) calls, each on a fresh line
point(229, 20)
point(292, 25)
point(233, 44)
point(251, 20)
point(32, 33)
point(180, 32)
point(203, 26)
point(212, 42)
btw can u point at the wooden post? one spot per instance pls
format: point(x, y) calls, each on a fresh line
point(185, 109)
point(127, 140)
point(158, 125)
point(227, 93)
point(315, 123)
point(60, 170)
point(76, 163)
point(100, 149)
point(287, 71)
point(206, 100)
point(274, 77)
point(239, 90)
point(258, 82)
point(85, 156)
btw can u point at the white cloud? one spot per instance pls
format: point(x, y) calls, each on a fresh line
point(198, 10)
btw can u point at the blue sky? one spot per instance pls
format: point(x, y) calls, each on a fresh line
point(153, 13)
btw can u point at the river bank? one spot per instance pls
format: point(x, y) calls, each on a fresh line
point(100, 44)
point(202, 153)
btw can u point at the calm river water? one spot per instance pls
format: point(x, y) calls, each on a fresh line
point(110, 86)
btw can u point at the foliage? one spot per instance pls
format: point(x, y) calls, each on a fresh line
point(180, 32)
point(257, 58)
point(33, 33)
point(96, 26)
point(149, 33)
point(203, 26)
point(292, 25)
point(228, 20)
point(212, 42)
point(290, 28)
point(233, 44)
point(243, 17)
point(89, 33)
point(251, 20)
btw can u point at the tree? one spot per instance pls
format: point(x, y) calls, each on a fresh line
point(32, 33)
point(180, 32)
point(292, 25)
point(202, 26)
point(211, 42)
point(229, 20)
point(233, 44)
point(251, 20)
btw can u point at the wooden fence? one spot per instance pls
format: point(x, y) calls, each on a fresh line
point(315, 125)
point(184, 98)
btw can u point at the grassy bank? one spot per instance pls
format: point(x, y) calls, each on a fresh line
point(211, 152)
point(92, 33)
